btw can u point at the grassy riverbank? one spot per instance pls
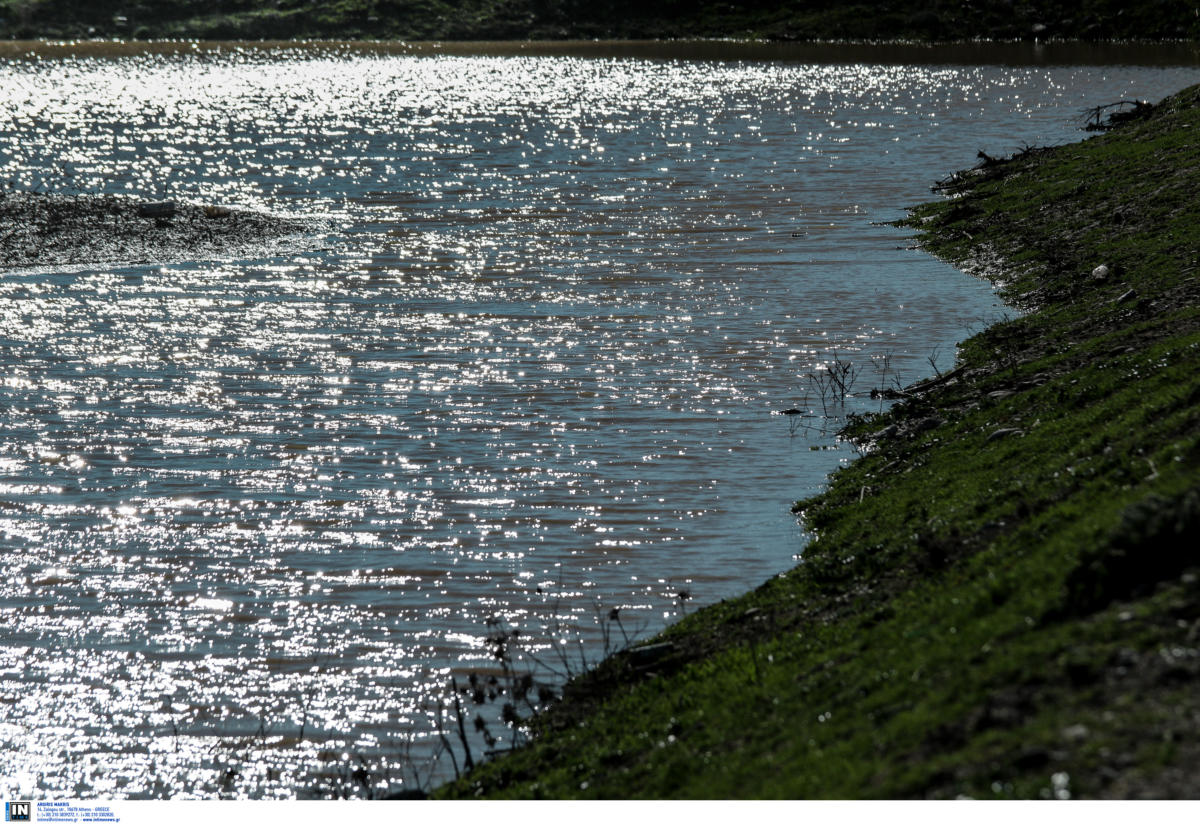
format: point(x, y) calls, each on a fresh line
point(937, 20)
point(1004, 595)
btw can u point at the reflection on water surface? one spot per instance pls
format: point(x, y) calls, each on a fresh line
point(255, 512)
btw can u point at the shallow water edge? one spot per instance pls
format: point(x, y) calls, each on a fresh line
point(1004, 598)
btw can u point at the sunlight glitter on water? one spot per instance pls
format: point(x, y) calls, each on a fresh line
point(256, 512)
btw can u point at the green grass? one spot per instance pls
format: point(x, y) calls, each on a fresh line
point(1010, 615)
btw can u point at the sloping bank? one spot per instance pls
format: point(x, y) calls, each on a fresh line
point(1003, 598)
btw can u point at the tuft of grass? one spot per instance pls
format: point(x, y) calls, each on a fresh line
point(1003, 595)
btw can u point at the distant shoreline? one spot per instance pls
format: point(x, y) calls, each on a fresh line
point(460, 20)
point(1010, 52)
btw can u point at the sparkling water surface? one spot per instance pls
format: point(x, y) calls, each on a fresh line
point(255, 513)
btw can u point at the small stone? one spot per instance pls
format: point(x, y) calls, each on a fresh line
point(1100, 272)
point(222, 212)
point(1075, 732)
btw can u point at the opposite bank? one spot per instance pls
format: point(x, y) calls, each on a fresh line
point(934, 20)
point(1003, 596)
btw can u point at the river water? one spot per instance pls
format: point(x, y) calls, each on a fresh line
point(255, 513)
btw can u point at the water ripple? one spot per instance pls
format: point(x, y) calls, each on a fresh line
point(255, 512)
